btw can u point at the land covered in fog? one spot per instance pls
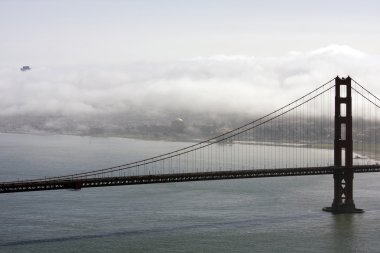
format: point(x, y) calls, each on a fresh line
point(170, 127)
point(186, 127)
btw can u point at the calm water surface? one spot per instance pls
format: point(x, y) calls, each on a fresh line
point(245, 215)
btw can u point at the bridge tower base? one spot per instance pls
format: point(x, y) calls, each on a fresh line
point(343, 148)
point(343, 209)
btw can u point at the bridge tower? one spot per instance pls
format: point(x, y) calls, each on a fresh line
point(343, 150)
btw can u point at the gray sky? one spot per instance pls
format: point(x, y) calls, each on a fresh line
point(52, 32)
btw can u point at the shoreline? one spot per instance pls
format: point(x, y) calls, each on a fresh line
point(367, 154)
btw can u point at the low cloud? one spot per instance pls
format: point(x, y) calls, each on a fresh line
point(219, 84)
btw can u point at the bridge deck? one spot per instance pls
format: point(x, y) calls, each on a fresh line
point(43, 185)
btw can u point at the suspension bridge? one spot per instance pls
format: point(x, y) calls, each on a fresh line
point(331, 130)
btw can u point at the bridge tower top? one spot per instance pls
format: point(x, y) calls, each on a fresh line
point(343, 144)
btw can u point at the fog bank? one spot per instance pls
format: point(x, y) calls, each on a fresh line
point(217, 85)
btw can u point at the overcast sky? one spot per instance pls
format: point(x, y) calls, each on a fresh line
point(51, 32)
point(228, 56)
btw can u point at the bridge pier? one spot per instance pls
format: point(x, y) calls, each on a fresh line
point(343, 147)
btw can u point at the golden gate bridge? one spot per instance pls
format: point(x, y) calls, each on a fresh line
point(327, 131)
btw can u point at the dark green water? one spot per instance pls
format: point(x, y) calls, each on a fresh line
point(246, 215)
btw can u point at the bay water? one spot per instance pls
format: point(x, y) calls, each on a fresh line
point(242, 215)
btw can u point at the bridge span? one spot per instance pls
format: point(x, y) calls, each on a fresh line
point(77, 184)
